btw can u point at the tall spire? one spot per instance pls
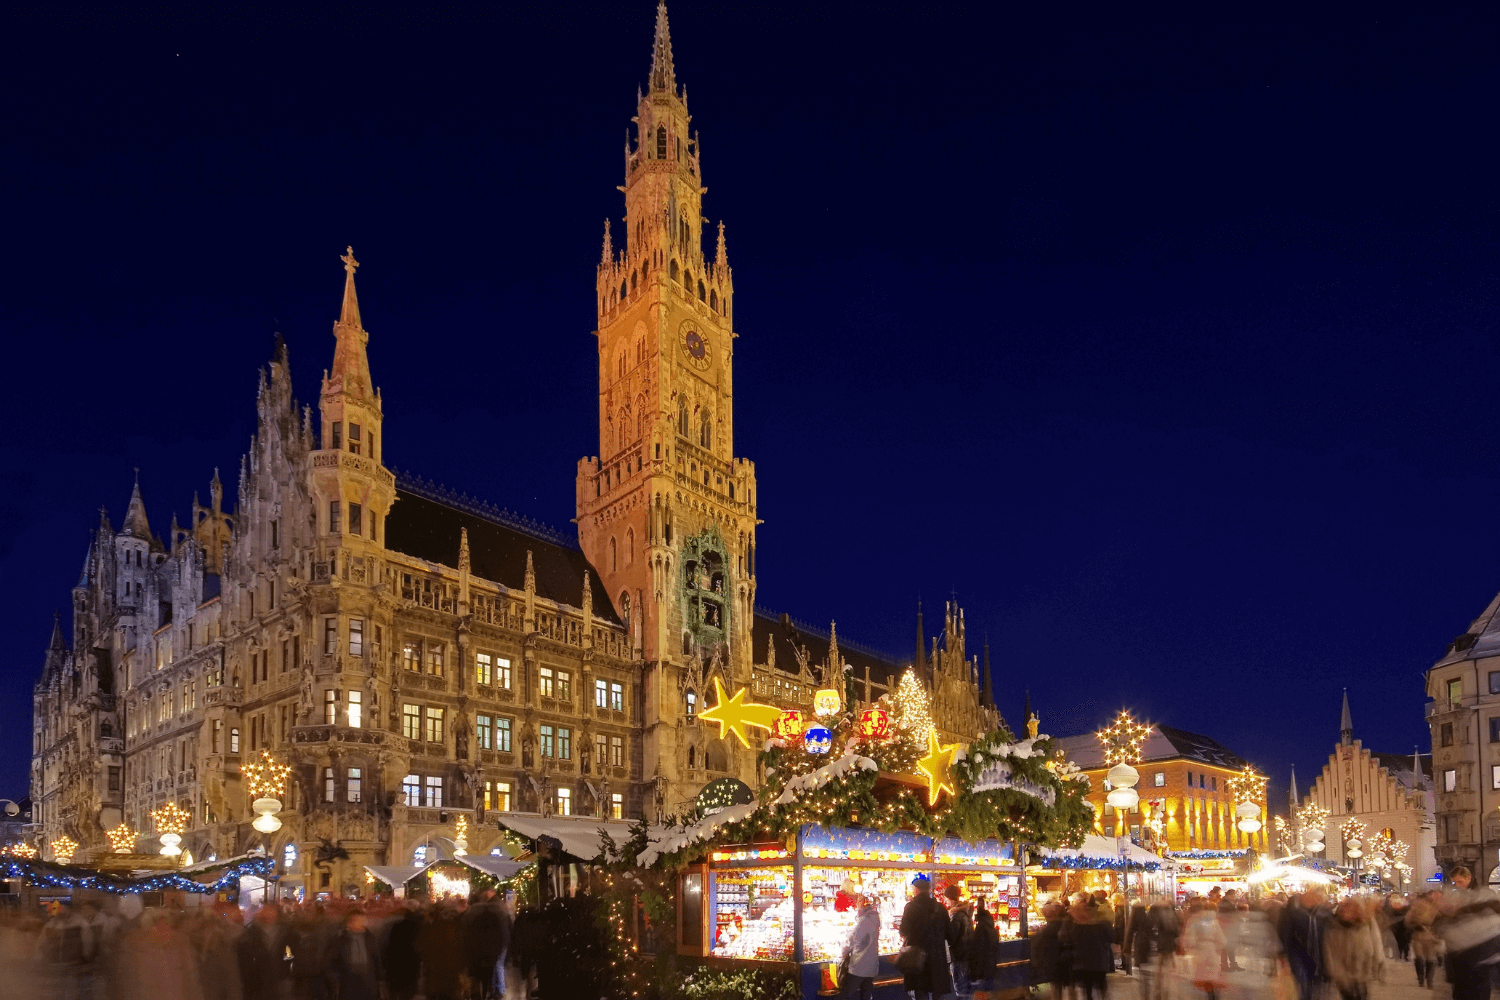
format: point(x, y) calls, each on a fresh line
point(1346, 722)
point(351, 366)
point(921, 661)
point(662, 75)
point(721, 255)
point(136, 524)
point(1291, 792)
point(609, 251)
point(989, 691)
point(57, 636)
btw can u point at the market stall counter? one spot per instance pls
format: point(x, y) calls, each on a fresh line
point(793, 903)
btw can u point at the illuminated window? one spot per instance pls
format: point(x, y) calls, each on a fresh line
point(482, 730)
point(484, 670)
point(356, 637)
point(617, 751)
point(1450, 780)
point(411, 721)
point(616, 805)
point(502, 796)
point(601, 748)
point(601, 694)
point(617, 697)
point(692, 704)
point(434, 725)
point(356, 709)
point(565, 801)
point(327, 784)
point(435, 660)
point(502, 672)
point(289, 856)
point(1159, 779)
point(1455, 691)
point(434, 785)
point(411, 655)
point(234, 741)
point(411, 787)
point(355, 781)
point(545, 682)
point(544, 739)
point(502, 735)
point(330, 706)
point(564, 686)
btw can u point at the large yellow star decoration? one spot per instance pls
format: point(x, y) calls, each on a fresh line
point(734, 714)
point(938, 766)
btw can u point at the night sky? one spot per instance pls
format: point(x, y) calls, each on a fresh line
point(1165, 345)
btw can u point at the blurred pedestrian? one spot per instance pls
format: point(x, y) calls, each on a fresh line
point(1351, 950)
point(354, 961)
point(1046, 951)
point(1203, 944)
point(1088, 934)
point(862, 951)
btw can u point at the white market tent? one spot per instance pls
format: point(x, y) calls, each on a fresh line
point(1108, 849)
point(578, 835)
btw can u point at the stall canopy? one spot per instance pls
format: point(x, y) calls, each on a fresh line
point(501, 868)
point(1107, 849)
point(579, 836)
point(394, 876)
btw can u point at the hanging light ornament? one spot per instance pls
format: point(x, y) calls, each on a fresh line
point(121, 839)
point(826, 703)
point(1124, 740)
point(265, 780)
point(461, 837)
point(171, 820)
point(63, 849)
point(818, 740)
point(1122, 795)
point(789, 725)
point(874, 724)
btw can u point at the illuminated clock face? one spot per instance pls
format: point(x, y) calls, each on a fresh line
point(695, 345)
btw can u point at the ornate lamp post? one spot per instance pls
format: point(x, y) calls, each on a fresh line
point(1123, 740)
point(265, 781)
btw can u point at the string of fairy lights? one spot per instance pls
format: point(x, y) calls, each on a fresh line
point(51, 876)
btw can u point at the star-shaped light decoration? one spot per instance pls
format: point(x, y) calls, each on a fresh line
point(734, 714)
point(938, 766)
point(1123, 740)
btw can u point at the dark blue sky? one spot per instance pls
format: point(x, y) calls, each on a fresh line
point(1165, 344)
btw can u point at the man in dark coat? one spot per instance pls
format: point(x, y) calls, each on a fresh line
point(1302, 938)
point(403, 962)
point(484, 928)
point(1089, 936)
point(354, 961)
point(1046, 952)
point(924, 925)
point(259, 952)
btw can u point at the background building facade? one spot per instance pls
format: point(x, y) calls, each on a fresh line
point(1186, 803)
point(416, 655)
point(1383, 791)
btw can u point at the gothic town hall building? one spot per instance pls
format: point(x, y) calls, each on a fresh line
point(417, 656)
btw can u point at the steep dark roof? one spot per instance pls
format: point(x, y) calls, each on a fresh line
point(426, 526)
point(1202, 749)
point(789, 634)
point(1164, 743)
point(1399, 765)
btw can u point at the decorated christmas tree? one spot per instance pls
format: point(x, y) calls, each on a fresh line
point(911, 711)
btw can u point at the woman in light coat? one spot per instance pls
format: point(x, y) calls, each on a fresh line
point(863, 951)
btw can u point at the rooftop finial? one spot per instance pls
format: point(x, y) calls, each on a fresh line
point(351, 365)
point(350, 313)
point(721, 256)
point(662, 75)
point(609, 250)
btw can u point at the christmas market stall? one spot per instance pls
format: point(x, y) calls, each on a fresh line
point(1200, 872)
point(859, 804)
point(40, 881)
point(1107, 863)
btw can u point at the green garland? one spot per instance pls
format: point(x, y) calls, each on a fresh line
point(846, 796)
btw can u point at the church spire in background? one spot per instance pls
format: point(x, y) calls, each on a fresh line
point(351, 365)
point(1346, 722)
point(662, 75)
point(136, 524)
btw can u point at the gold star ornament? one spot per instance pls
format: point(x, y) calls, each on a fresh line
point(734, 714)
point(938, 766)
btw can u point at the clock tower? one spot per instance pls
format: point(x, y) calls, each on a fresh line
point(666, 512)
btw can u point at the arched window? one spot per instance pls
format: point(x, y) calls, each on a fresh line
point(661, 142)
point(691, 704)
point(624, 289)
point(682, 417)
point(700, 290)
point(692, 755)
point(706, 432)
point(713, 300)
point(672, 270)
point(614, 555)
point(687, 282)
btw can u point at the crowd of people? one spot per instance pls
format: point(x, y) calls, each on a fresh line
point(1313, 945)
point(476, 949)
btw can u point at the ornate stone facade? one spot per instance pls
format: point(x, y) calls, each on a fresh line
point(415, 655)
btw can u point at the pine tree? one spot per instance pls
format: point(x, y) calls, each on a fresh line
point(911, 712)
